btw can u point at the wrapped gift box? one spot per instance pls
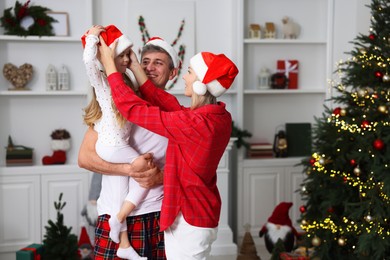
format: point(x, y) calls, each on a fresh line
point(292, 256)
point(290, 69)
point(30, 252)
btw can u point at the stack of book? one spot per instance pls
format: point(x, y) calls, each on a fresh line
point(18, 155)
point(260, 150)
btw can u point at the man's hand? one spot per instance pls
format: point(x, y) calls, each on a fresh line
point(150, 178)
point(90, 160)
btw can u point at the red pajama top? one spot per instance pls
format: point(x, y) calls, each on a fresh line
point(196, 142)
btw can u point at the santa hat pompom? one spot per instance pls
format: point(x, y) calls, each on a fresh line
point(216, 71)
point(199, 88)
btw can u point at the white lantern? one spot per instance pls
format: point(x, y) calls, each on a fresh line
point(51, 78)
point(264, 78)
point(63, 79)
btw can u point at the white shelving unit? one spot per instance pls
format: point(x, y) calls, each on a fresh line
point(29, 117)
point(23, 113)
point(264, 183)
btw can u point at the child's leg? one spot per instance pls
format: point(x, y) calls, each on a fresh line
point(125, 250)
point(117, 232)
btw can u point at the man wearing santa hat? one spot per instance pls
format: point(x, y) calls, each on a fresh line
point(160, 62)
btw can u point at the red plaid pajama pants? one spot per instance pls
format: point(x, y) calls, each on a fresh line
point(144, 236)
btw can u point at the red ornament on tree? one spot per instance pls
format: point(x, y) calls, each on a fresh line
point(312, 161)
point(352, 162)
point(365, 124)
point(337, 111)
point(372, 37)
point(379, 74)
point(302, 209)
point(378, 144)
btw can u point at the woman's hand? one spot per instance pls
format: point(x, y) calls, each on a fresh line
point(106, 56)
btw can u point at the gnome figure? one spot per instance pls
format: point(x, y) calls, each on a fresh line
point(279, 226)
point(60, 143)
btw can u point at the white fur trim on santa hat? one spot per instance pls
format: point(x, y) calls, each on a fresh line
point(199, 66)
point(123, 43)
point(167, 47)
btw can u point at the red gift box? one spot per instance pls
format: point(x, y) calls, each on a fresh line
point(292, 256)
point(290, 69)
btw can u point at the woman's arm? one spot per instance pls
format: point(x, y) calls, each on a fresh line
point(90, 160)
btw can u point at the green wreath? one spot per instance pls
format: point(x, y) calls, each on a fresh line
point(27, 20)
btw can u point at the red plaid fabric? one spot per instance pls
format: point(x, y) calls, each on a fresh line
point(144, 236)
point(197, 141)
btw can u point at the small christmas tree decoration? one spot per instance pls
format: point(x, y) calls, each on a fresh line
point(51, 78)
point(63, 79)
point(248, 249)
point(59, 242)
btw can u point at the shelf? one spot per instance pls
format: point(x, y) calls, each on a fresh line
point(42, 93)
point(39, 169)
point(39, 39)
point(283, 41)
point(289, 161)
point(284, 91)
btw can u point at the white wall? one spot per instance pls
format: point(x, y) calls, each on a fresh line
point(214, 28)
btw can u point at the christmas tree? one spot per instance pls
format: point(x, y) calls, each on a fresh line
point(346, 191)
point(59, 243)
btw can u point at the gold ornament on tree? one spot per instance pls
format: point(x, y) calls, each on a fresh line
point(316, 241)
point(18, 76)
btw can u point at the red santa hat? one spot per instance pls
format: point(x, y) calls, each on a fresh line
point(111, 34)
point(157, 41)
point(280, 214)
point(84, 238)
point(216, 73)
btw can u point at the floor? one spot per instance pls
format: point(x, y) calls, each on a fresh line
point(261, 252)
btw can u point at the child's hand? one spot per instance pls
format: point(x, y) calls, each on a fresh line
point(95, 30)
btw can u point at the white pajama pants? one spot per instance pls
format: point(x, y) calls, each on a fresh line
point(186, 242)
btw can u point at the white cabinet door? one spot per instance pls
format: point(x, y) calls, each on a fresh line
point(263, 188)
point(20, 211)
point(74, 187)
point(294, 178)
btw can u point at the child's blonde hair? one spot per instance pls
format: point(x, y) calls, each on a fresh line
point(93, 111)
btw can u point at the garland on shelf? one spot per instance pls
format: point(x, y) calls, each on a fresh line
point(27, 20)
point(145, 37)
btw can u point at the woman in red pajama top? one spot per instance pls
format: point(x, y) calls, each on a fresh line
point(197, 136)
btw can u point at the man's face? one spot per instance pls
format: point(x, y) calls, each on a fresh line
point(156, 67)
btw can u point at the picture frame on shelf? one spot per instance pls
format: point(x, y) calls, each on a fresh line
point(61, 27)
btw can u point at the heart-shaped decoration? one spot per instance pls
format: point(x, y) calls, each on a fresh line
point(19, 77)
